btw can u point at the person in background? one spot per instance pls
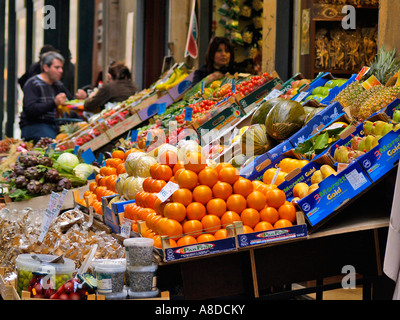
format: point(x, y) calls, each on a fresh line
point(220, 59)
point(35, 68)
point(42, 94)
point(119, 88)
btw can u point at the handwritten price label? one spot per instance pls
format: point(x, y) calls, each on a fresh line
point(167, 191)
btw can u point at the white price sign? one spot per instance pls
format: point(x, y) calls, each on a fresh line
point(126, 228)
point(167, 191)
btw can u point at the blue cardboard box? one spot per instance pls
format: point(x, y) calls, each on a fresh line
point(152, 109)
point(333, 193)
point(111, 215)
point(181, 88)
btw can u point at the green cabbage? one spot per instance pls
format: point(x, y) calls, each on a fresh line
point(83, 170)
point(68, 160)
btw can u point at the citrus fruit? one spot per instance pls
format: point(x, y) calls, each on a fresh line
point(229, 175)
point(192, 228)
point(221, 234)
point(288, 212)
point(175, 210)
point(170, 228)
point(202, 194)
point(275, 198)
point(153, 169)
point(263, 226)
point(183, 195)
point(282, 223)
point(236, 203)
point(179, 165)
point(163, 172)
point(147, 184)
point(118, 154)
point(195, 161)
point(187, 179)
point(169, 158)
point(269, 214)
point(216, 206)
point(208, 177)
point(195, 211)
point(157, 185)
point(247, 229)
point(256, 200)
point(186, 240)
point(205, 237)
point(211, 223)
point(243, 186)
point(221, 166)
point(229, 217)
point(222, 190)
point(250, 217)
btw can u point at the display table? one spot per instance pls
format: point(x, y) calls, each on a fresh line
point(355, 237)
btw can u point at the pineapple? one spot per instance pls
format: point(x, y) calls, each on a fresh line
point(385, 65)
point(349, 94)
point(364, 96)
point(378, 101)
point(66, 130)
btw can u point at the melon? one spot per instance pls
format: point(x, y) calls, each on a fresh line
point(255, 141)
point(285, 119)
point(260, 115)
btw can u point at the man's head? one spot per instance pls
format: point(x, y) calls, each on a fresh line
point(52, 66)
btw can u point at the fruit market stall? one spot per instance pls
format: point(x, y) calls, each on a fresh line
point(219, 172)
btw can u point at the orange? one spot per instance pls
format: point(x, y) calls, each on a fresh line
point(195, 211)
point(250, 217)
point(149, 220)
point(229, 175)
point(153, 169)
point(159, 206)
point(192, 228)
point(97, 178)
point(183, 196)
point(163, 172)
point(131, 151)
point(275, 198)
point(157, 185)
point(128, 211)
point(113, 162)
point(110, 183)
point(229, 217)
point(169, 158)
point(247, 229)
point(121, 169)
point(170, 228)
point(282, 223)
point(118, 154)
point(221, 234)
point(202, 194)
point(150, 200)
point(175, 210)
point(288, 212)
point(208, 177)
point(147, 184)
point(92, 186)
point(160, 224)
point(108, 171)
point(263, 226)
point(186, 240)
point(211, 223)
point(222, 190)
point(195, 161)
point(269, 214)
point(262, 187)
point(222, 165)
point(236, 203)
point(256, 200)
point(158, 242)
point(269, 175)
point(177, 173)
point(243, 186)
point(187, 179)
point(216, 206)
point(205, 237)
point(179, 165)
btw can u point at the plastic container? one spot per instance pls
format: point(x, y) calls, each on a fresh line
point(139, 251)
point(143, 295)
point(142, 279)
point(123, 295)
point(28, 264)
point(110, 277)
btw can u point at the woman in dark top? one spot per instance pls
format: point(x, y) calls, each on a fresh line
point(118, 89)
point(219, 61)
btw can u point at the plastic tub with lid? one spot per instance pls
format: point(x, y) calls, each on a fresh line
point(139, 251)
point(110, 277)
point(142, 279)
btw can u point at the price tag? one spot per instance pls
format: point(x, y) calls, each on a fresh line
point(362, 73)
point(203, 84)
point(161, 108)
point(233, 86)
point(134, 135)
point(371, 82)
point(88, 156)
point(167, 191)
point(76, 149)
point(273, 94)
point(126, 228)
point(356, 179)
point(301, 96)
point(49, 215)
point(188, 114)
point(148, 139)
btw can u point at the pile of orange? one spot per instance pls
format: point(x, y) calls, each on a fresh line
point(104, 184)
point(208, 200)
point(286, 165)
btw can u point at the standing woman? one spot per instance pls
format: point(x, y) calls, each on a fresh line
point(220, 59)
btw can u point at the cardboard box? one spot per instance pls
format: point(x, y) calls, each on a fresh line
point(113, 216)
point(179, 90)
point(299, 230)
point(152, 109)
point(334, 193)
point(249, 102)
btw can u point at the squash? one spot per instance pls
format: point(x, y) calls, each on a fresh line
point(255, 141)
point(260, 115)
point(285, 119)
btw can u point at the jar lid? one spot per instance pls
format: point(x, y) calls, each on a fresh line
point(44, 263)
point(139, 242)
point(151, 268)
point(143, 294)
point(109, 267)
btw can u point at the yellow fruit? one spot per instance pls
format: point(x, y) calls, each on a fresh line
point(300, 190)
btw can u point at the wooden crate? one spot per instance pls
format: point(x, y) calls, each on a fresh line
point(7, 288)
